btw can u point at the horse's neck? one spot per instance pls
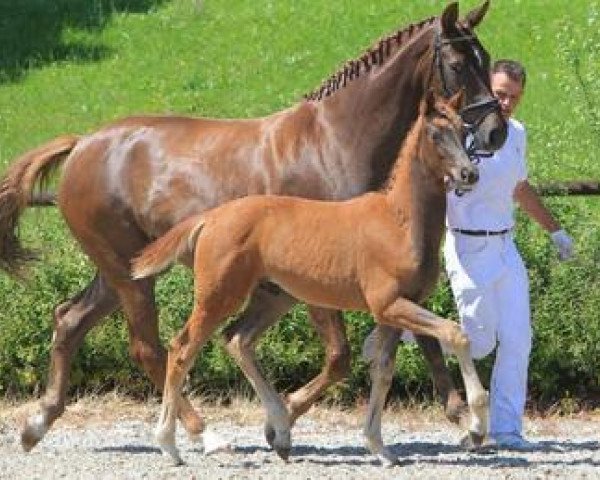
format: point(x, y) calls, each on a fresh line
point(418, 198)
point(374, 113)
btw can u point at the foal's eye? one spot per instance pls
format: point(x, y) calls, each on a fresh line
point(436, 135)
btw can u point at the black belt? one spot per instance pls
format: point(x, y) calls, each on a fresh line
point(481, 233)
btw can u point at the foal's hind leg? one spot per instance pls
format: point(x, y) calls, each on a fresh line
point(73, 319)
point(267, 304)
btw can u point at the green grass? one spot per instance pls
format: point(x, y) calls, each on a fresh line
point(73, 65)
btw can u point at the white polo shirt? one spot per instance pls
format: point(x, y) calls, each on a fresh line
point(489, 206)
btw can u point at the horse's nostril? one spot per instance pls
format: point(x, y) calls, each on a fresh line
point(473, 177)
point(469, 176)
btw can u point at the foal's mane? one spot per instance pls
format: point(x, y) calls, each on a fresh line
point(375, 55)
point(408, 147)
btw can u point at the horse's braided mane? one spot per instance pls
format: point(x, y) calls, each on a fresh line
point(375, 55)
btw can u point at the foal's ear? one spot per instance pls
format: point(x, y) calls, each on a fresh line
point(449, 17)
point(457, 100)
point(428, 103)
point(474, 17)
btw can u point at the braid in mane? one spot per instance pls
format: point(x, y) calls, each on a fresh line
point(376, 55)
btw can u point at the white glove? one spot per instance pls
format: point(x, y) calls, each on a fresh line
point(564, 243)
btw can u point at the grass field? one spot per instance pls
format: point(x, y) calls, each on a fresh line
point(73, 65)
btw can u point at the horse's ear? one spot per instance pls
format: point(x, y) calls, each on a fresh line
point(457, 100)
point(449, 17)
point(475, 16)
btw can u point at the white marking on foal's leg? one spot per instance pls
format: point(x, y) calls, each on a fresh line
point(164, 433)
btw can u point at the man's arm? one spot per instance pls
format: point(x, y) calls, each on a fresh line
point(532, 205)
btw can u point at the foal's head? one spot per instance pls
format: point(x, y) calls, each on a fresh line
point(442, 142)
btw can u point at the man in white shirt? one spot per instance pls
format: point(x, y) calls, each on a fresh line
point(487, 275)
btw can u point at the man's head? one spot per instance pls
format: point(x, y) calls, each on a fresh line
point(508, 83)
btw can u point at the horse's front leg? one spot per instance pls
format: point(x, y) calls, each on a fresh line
point(454, 406)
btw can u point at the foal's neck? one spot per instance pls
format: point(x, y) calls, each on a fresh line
point(416, 195)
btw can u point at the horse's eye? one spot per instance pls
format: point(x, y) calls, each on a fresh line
point(457, 67)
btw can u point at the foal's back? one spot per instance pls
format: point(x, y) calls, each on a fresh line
point(321, 252)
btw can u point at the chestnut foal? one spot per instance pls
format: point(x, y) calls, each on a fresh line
point(378, 253)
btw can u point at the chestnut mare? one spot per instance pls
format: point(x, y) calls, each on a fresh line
point(129, 182)
point(378, 253)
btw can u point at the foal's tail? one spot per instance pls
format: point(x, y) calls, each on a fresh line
point(164, 251)
point(17, 193)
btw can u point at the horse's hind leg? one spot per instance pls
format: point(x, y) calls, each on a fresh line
point(331, 327)
point(73, 319)
point(454, 406)
point(137, 300)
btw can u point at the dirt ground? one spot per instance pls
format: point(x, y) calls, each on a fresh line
point(111, 437)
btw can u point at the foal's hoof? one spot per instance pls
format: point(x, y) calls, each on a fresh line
point(33, 431)
point(28, 440)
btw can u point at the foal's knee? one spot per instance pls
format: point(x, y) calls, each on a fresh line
point(236, 344)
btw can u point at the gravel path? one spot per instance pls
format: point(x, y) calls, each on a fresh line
point(112, 439)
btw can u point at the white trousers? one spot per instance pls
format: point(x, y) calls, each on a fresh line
point(491, 290)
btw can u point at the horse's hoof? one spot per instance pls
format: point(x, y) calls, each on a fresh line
point(270, 434)
point(475, 443)
point(283, 453)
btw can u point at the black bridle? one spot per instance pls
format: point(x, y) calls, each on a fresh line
point(484, 107)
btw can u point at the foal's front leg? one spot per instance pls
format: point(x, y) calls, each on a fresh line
point(380, 351)
point(404, 314)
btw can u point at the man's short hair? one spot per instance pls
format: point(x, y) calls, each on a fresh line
point(512, 68)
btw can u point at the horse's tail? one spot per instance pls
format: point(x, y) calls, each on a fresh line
point(17, 193)
point(164, 251)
